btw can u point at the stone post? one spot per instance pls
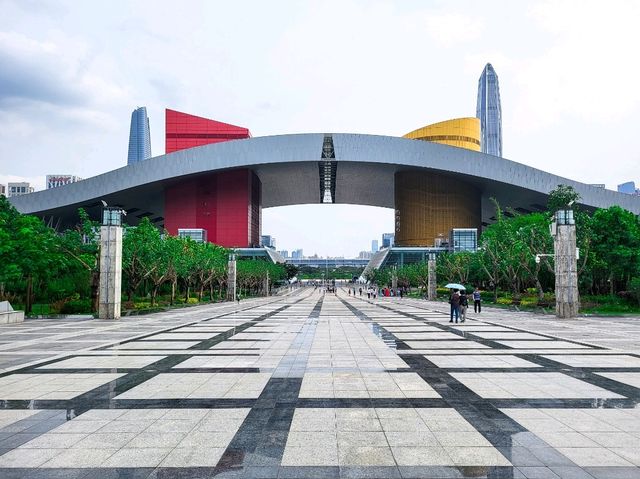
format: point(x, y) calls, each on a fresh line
point(566, 265)
point(431, 285)
point(110, 272)
point(231, 279)
point(394, 279)
point(266, 285)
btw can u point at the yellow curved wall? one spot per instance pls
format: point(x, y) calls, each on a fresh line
point(460, 132)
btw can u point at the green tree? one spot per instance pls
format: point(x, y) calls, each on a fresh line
point(29, 253)
point(562, 197)
point(82, 244)
point(615, 248)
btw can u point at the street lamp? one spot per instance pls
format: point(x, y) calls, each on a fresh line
point(109, 306)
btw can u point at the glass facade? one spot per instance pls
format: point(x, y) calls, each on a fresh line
point(489, 112)
point(139, 136)
point(196, 234)
point(464, 239)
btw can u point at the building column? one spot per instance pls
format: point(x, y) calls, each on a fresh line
point(566, 265)
point(110, 272)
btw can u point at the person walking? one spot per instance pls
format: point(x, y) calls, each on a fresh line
point(477, 300)
point(464, 304)
point(454, 301)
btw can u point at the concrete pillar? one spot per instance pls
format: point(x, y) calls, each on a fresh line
point(566, 269)
point(231, 279)
point(110, 272)
point(431, 285)
point(394, 279)
point(265, 287)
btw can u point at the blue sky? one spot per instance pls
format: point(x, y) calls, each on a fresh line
point(73, 71)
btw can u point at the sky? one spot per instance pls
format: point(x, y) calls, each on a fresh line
point(71, 72)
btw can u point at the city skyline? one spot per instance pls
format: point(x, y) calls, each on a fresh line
point(74, 92)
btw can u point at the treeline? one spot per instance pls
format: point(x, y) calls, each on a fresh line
point(39, 265)
point(608, 241)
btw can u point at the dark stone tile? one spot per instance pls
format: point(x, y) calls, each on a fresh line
point(63, 473)
point(538, 472)
point(17, 440)
point(252, 472)
point(328, 472)
point(614, 472)
point(356, 472)
point(18, 473)
point(119, 473)
point(571, 472)
point(439, 472)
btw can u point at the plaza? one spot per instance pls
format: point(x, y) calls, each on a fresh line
point(314, 385)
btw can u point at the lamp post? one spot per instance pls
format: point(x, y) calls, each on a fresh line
point(232, 278)
point(109, 306)
point(563, 230)
point(431, 278)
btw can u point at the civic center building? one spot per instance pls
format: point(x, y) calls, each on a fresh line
point(216, 177)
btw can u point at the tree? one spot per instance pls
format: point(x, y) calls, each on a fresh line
point(615, 247)
point(82, 245)
point(29, 253)
point(562, 197)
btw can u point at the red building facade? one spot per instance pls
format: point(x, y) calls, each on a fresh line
point(184, 131)
point(227, 204)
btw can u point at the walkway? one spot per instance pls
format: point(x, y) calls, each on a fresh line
point(320, 386)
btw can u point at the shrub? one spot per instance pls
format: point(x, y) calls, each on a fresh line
point(192, 301)
point(76, 306)
point(504, 301)
point(530, 302)
point(634, 289)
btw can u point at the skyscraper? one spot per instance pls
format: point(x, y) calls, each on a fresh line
point(139, 136)
point(388, 240)
point(374, 246)
point(489, 112)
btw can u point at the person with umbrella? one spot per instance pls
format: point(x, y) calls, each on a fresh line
point(455, 300)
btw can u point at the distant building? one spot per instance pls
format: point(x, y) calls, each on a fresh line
point(3, 190)
point(374, 246)
point(196, 234)
point(139, 136)
point(388, 240)
point(489, 111)
point(464, 239)
point(365, 255)
point(53, 181)
point(629, 188)
point(17, 189)
point(268, 241)
point(297, 254)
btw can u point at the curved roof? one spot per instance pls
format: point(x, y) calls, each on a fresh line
point(288, 168)
point(460, 132)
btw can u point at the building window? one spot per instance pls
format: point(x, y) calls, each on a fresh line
point(198, 235)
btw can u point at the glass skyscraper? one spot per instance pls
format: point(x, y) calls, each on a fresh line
point(489, 112)
point(139, 136)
